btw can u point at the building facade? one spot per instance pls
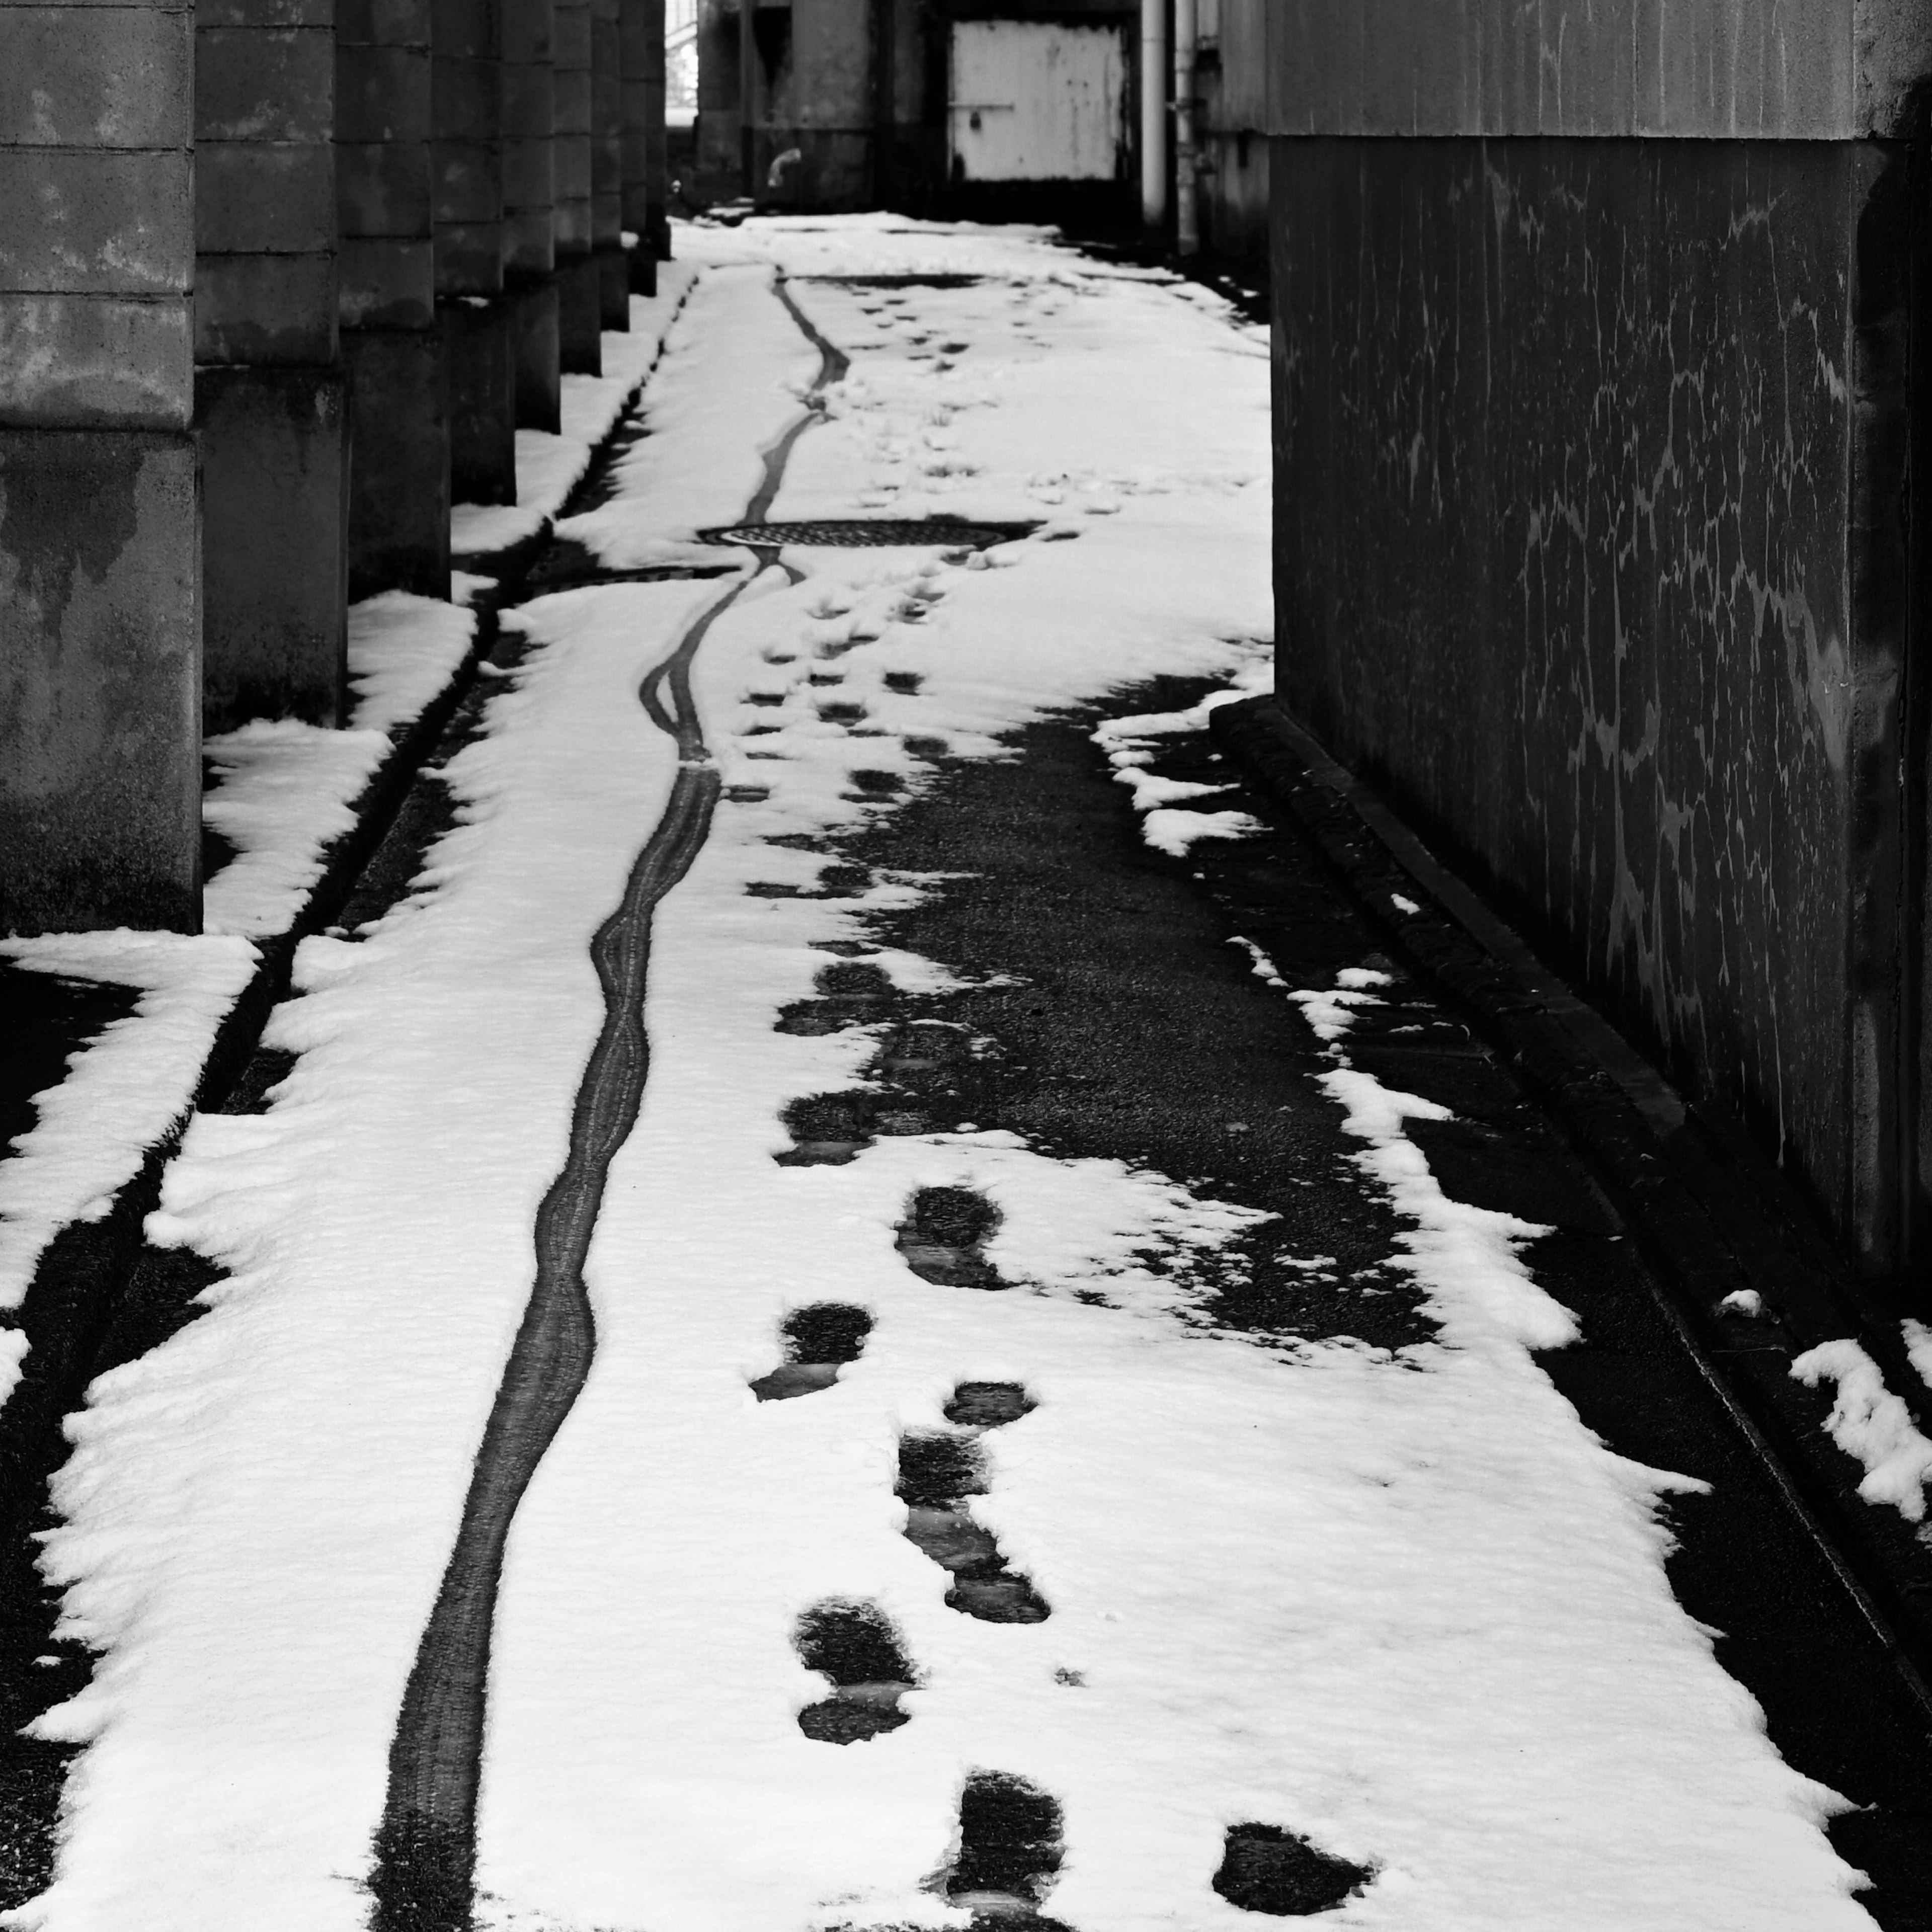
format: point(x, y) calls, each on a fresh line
point(1601, 381)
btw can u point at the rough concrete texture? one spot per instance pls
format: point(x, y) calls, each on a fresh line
point(466, 115)
point(1796, 69)
point(479, 363)
point(96, 220)
point(275, 505)
point(530, 246)
point(79, 361)
point(100, 681)
point(385, 222)
point(1590, 547)
point(399, 478)
point(640, 38)
point(103, 76)
point(265, 84)
point(572, 121)
point(580, 308)
point(278, 309)
point(260, 197)
point(537, 371)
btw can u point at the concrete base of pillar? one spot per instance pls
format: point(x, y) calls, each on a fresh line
point(533, 346)
point(399, 468)
point(643, 261)
point(659, 230)
point(580, 311)
point(99, 680)
point(613, 286)
point(479, 360)
point(275, 454)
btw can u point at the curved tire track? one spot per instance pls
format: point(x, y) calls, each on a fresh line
point(423, 1875)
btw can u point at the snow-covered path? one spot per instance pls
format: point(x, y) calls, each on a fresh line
point(1397, 1602)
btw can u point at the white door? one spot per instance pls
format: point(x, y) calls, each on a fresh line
point(1034, 101)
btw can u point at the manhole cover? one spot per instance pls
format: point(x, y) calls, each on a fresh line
point(865, 532)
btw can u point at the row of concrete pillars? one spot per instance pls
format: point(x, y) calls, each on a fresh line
point(279, 280)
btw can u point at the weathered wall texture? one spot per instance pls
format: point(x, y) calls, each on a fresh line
point(1812, 70)
point(1591, 468)
point(99, 510)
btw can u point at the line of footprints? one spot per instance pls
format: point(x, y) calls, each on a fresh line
point(1009, 1847)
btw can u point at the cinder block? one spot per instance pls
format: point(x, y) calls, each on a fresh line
point(106, 77)
point(528, 98)
point(265, 13)
point(274, 451)
point(580, 315)
point(571, 221)
point(101, 682)
point(469, 258)
point(529, 244)
point(607, 220)
point(570, 104)
point(533, 325)
point(528, 175)
point(467, 99)
point(268, 310)
point(251, 198)
point(469, 181)
point(643, 262)
point(570, 168)
point(264, 84)
point(570, 38)
point(383, 187)
point(381, 93)
point(96, 222)
point(479, 360)
point(386, 284)
point(466, 29)
point(613, 288)
point(382, 23)
point(95, 362)
point(399, 464)
point(528, 38)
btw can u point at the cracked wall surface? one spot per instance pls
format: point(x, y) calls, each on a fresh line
point(1590, 461)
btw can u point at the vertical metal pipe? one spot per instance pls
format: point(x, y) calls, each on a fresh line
point(1187, 197)
point(747, 97)
point(1153, 112)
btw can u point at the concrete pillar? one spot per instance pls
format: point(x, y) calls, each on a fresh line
point(467, 114)
point(399, 471)
point(270, 399)
point(607, 164)
point(580, 302)
point(641, 24)
point(99, 506)
point(529, 243)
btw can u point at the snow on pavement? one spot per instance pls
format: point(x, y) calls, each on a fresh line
point(1405, 1606)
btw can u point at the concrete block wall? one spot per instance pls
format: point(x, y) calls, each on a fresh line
point(100, 492)
point(273, 274)
point(271, 400)
point(1595, 403)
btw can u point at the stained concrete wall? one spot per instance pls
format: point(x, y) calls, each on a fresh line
point(1783, 70)
point(99, 550)
point(271, 400)
point(1593, 530)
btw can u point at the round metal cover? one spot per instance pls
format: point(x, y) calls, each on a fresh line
point(867, 532)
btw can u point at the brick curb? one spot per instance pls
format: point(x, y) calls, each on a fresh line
point(1709, 1213)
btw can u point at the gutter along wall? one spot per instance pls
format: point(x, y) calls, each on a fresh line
point(1594, 400)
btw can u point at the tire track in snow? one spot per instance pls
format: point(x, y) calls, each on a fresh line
point(424, 1875)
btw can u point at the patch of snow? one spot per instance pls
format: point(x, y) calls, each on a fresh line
point(1743, 1301)
point(1868, 1422)
point(124, 1092)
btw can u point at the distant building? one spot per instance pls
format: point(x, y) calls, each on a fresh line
point(1021, 107)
